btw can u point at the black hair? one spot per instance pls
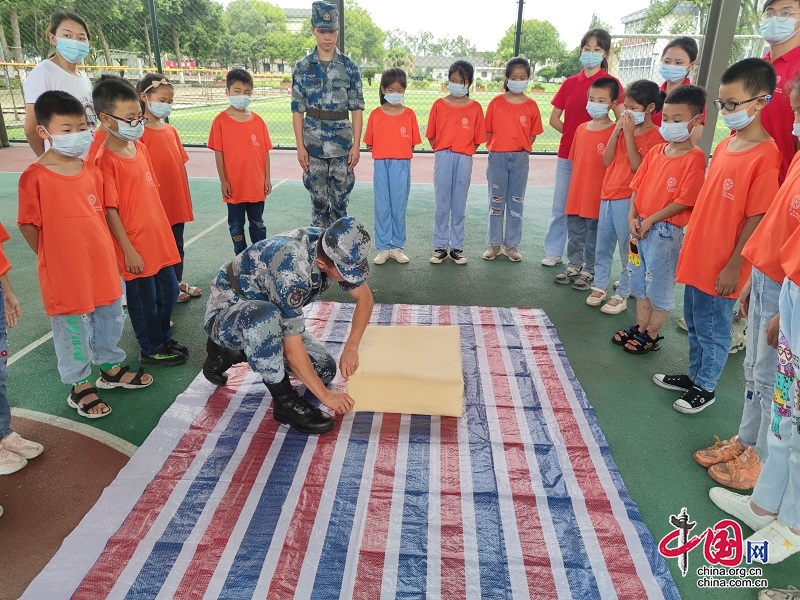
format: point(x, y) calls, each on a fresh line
point(322, 255)
point(465, 70)
point(756, 75)
point(603, 40)
point(390, 76)
point(686, 44)
point(645, 92)
point(60, 16)
point(110, 89)
point(146, 81)
point(607, 83)
point(56, 103)
point(515, 62)
point(692, 96)
point(239, 75)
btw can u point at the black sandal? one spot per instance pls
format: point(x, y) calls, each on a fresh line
point(74, 398)
point(107, 381)
point(643, 343)
point(623, 336)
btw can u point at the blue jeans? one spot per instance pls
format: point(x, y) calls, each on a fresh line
point(5, 407)
point(759, 364)
point(581, 241)
point(654, 277)
point(556, 235)
point(81, 340)
point(708, 319)
point(451, 176)
point(612, 232)
point(778, 487)
point(391, 183)
point(150, 303)
point(507, 175)
point(254, 211)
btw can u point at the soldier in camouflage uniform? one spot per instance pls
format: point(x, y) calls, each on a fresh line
point(325, 86)
point(255, 313)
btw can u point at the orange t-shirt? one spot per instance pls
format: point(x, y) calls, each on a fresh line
point(134, 193)
point(790, 257)
point(763, 249)
point(244, 146)
point(5, 264)
point(738, 185)
point(586, 152)
point(512, 125)
point(98, 140)
point(392, 136)
point(75, 259)
point(662, 180)
point(457, 128)
point(168, 157)
point(617, 182)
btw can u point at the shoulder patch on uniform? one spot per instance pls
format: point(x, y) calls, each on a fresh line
point(295, 296)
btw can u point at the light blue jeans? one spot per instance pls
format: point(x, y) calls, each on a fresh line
point(556, 235)
point(654, 277)
point(507, 176)
point(581, 241)
point(708, 319)
point(391, 182)
point(451, 176)
point(759, 364)
point(5, 407)
point(81, 340)
point(612, 232)
point(778, 487)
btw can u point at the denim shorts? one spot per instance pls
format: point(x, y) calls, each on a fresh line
point(653, 274)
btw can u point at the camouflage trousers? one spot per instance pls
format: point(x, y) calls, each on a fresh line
point(254, 326)
point(329, 181)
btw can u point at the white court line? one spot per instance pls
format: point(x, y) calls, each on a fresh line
point(48, 336)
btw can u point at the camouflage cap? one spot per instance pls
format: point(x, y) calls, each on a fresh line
point(324, 15)
point(347, 243)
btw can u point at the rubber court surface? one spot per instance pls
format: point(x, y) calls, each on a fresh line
point(650, 442)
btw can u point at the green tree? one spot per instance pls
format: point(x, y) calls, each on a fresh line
point(547, 73)
point(364, 39)
point(243, 16)
point(401, 58)
point(369, 74)
point(568, 63)
point(539, 42)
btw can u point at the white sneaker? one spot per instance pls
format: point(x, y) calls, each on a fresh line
point(787, 593)
point(399, 255)
point(681, 323)
point(382, 257)
point(551, 261)
point(782, 542)
point(18, 445)
point(738, 505)
point(615, 305)
point(596, 297)
point(10, 462)
point(512, 254)
point(492, 253)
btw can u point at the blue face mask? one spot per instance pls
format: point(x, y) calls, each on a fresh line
point(776, 32)
point(673, 73)
point(160, 110)
point(738, 120)
point(597, 110)
point(394, 99)
point(458, 90)
point(71, 144)
point(591, 59)
point(638, 117)
point(674, 132)
point(517, 87)
point(73, 51)
point(239, 102)
point(127, 133)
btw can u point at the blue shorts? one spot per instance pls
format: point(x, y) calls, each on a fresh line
point(652, 272)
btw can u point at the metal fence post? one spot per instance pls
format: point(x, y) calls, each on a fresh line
point(518, 37)
point(340, 40)
point(154, 28)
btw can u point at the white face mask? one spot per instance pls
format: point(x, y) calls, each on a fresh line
point(71, 144)
point(674, 132)
point(459, 90)
point(160, 110)
point(394, 99)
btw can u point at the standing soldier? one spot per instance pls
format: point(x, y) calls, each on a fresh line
point(325, 86)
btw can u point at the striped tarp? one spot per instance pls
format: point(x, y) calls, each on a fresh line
point(518, 499)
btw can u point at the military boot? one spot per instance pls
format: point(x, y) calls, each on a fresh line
point(219, 360)
point(291, 408)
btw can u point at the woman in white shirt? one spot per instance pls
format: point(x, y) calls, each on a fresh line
point(69, 34)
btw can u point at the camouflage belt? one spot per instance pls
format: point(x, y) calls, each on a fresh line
point(232, 279)
point(327, 115)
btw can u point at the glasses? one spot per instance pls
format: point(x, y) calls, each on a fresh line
point(782, 16)
point(132, 123)
point(730, 105)
point(157, 84)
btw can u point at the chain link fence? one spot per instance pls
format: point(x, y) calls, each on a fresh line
point(198, 46)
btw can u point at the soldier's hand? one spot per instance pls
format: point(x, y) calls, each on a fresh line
point(226, 189)
point(353, 157)
point(302, 158)
point(348, 363)
point(338, 402)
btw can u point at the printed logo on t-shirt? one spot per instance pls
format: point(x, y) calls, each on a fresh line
point(523, 120)
point(672, 185)
point(254, 139)
point(794, 209)
point(404, 132)
point(93, 202)
point(465, 123)
point(727, 186)
point(601, 147)
point(150, 179)
point(778, 88)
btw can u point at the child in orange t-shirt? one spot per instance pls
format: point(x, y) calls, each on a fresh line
point(455, 130)
point(512, 123)
point(665, 189)
point(168, 158)
point(392, 132)
point(145, 248)
point(633, 136)
point(583, 197)
point(741, 184)
point(241, 145)
point(77, 269)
